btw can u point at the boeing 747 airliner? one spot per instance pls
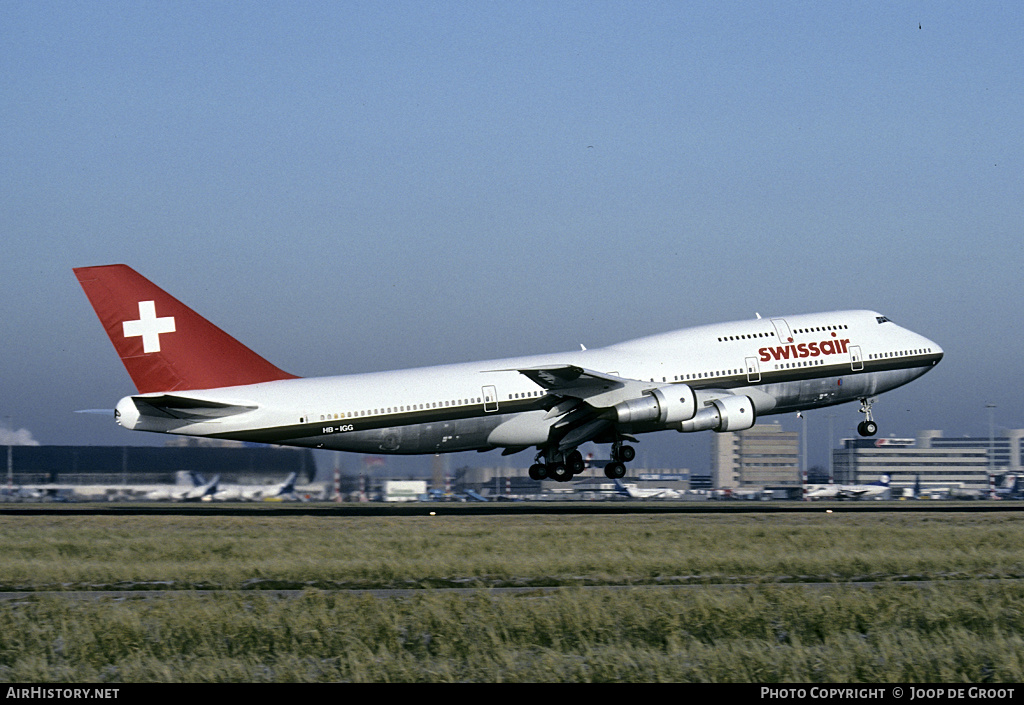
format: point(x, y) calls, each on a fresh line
point(194, 379)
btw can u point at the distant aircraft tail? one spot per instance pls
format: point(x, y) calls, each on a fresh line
point(621, 489)
point(165, 345)
point(289, 484)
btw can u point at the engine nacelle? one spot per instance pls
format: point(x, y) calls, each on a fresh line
point(664, 405)
point(729, 413)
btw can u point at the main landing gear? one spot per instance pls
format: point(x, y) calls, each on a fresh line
point(616, 470)
point(562, 467)
point(867, 427)
point(557, 466)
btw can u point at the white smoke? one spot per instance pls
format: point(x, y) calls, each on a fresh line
point(21, 437)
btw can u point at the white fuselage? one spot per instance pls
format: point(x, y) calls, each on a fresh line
point(781, 364)
point(847, 491)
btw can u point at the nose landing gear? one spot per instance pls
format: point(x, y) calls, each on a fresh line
point(867, 427)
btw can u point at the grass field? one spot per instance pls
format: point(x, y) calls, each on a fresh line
point(965, 624)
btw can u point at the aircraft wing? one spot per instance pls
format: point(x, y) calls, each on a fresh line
point(568, 377)
point(588, 398)
point(587, 394)
point(596, 388)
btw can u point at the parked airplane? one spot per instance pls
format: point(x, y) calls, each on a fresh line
point(199, 490)
point(27, 492)
point(252, 493)
point(163, 494)
point(1011, 487)
point(874, 489)
point(194, 379)
point(634, 492)
point(729, 493)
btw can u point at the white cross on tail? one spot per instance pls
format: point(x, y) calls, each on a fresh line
point(149, 327)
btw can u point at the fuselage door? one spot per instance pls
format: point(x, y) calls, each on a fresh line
point(856, 358)
point(490, 398)
point(753, 371)
point(782, 330)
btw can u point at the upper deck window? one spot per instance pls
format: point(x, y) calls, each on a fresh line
point(882, 319)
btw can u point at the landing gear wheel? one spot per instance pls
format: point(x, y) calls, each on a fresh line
point(575, 463)
point(867, 428)
point(538, 471)
point(559, 472)
point(615, 471)
point(627, 453)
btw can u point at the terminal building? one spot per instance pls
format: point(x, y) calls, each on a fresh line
point(933, 464)
point(760, 457)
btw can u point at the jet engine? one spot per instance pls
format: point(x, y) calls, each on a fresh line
point(728, 413)
point(663, 405)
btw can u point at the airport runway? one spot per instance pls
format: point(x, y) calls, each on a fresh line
point(377, 509)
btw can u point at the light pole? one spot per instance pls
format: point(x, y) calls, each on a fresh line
point(831, 469)
point(803, 448)
point(991, 440)
point(10, 458)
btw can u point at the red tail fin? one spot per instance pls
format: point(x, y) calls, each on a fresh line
point(165, 345)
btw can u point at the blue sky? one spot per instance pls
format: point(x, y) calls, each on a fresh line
point(355, 186)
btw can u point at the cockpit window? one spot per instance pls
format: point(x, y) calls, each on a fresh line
point(882, 319)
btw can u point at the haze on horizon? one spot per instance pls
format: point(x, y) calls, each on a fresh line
point(355, 187)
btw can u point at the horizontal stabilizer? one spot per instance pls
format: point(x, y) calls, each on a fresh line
point(174, 406)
